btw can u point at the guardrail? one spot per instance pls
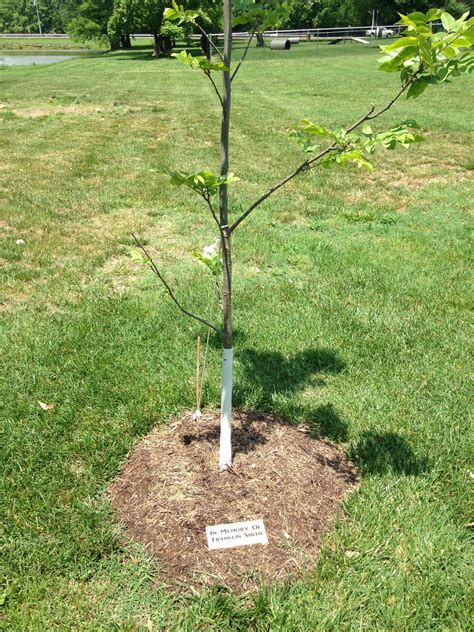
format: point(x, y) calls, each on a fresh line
point(310, 33)
point(30, 35)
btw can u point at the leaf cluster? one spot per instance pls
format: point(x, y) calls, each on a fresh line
point(424, 57)
point(349, 147)
point(199, 62)
point(177, 12)
point(205, 183)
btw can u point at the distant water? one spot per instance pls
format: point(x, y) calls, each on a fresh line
point(24, 58)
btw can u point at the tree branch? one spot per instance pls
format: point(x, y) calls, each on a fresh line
point(211, 208)
point(153, 267)
point(244, 55)
point(209, 39)
point(208, 74)
point(308, 163)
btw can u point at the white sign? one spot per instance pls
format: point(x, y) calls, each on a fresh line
point(226, 536)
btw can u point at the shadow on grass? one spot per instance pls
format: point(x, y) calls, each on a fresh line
point(377, 452)
point(145, 53)
point(269, 373)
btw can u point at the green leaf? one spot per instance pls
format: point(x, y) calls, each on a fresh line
point(417, 87)
point(433, 14)
point(425, 52)
point(136, 255)
point(469, 34)
point(171, 14)
point(401, 43)
point(396, 62)
point(199, 63)
point(447, 21)
point(461, 42)
point(450, 52)
point(417, 17)
point(205, 183)
point(404, 19)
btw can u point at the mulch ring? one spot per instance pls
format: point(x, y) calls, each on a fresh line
point(170, 490)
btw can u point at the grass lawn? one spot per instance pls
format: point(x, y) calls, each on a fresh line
point(46, 43)
point(351, 309)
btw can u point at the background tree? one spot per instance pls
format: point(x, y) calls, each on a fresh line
point(90, 18)
point(146, 16)
point(91, 23)
point(122, 22)
point(19, 16)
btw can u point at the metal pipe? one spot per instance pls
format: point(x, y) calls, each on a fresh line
point(35, 3)
point(280, 44)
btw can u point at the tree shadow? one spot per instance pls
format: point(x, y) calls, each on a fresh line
point(245, 437)
point(268, 373)
point(144, 52)
point(325, 421)
point(265, 374)
point(377, 452)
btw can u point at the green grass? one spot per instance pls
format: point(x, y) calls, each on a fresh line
point(46, 43)
point(351, 310)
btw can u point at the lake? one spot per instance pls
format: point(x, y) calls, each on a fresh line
point(23, 58)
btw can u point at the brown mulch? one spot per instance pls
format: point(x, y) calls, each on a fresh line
point(170, 490)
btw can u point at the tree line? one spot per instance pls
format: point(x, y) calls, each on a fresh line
point(114, 20)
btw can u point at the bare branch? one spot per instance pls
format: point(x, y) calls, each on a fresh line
point(153, 267)
point(211, 208)
point(208, 74)
point(209, 39)
point(244, 55)
point(361, 120)
point(408, 83)
point(309, 163)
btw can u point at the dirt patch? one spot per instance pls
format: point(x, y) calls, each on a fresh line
point(170, 490)
point(56, 109)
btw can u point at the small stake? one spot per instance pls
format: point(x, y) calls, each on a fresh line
point(197, 413)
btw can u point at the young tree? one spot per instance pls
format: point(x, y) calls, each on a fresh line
point(420, 56)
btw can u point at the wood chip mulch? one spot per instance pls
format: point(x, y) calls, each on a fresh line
point(170, 490)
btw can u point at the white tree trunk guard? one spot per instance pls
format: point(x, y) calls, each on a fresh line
point(225, 452)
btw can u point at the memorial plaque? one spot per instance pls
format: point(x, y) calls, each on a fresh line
point(226, 536)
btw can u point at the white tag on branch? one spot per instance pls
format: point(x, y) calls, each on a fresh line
point(226, 536)
point(44, 406)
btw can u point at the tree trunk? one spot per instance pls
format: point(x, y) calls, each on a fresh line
point(126, 41)
point(205, 46)
point(260, 40)
point(166, 45)
point(163, 45)
point(225, 454)
point(114, 44)
point(156, 48)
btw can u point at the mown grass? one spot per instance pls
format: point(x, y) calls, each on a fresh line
point(351, 310)
point(46, 43)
